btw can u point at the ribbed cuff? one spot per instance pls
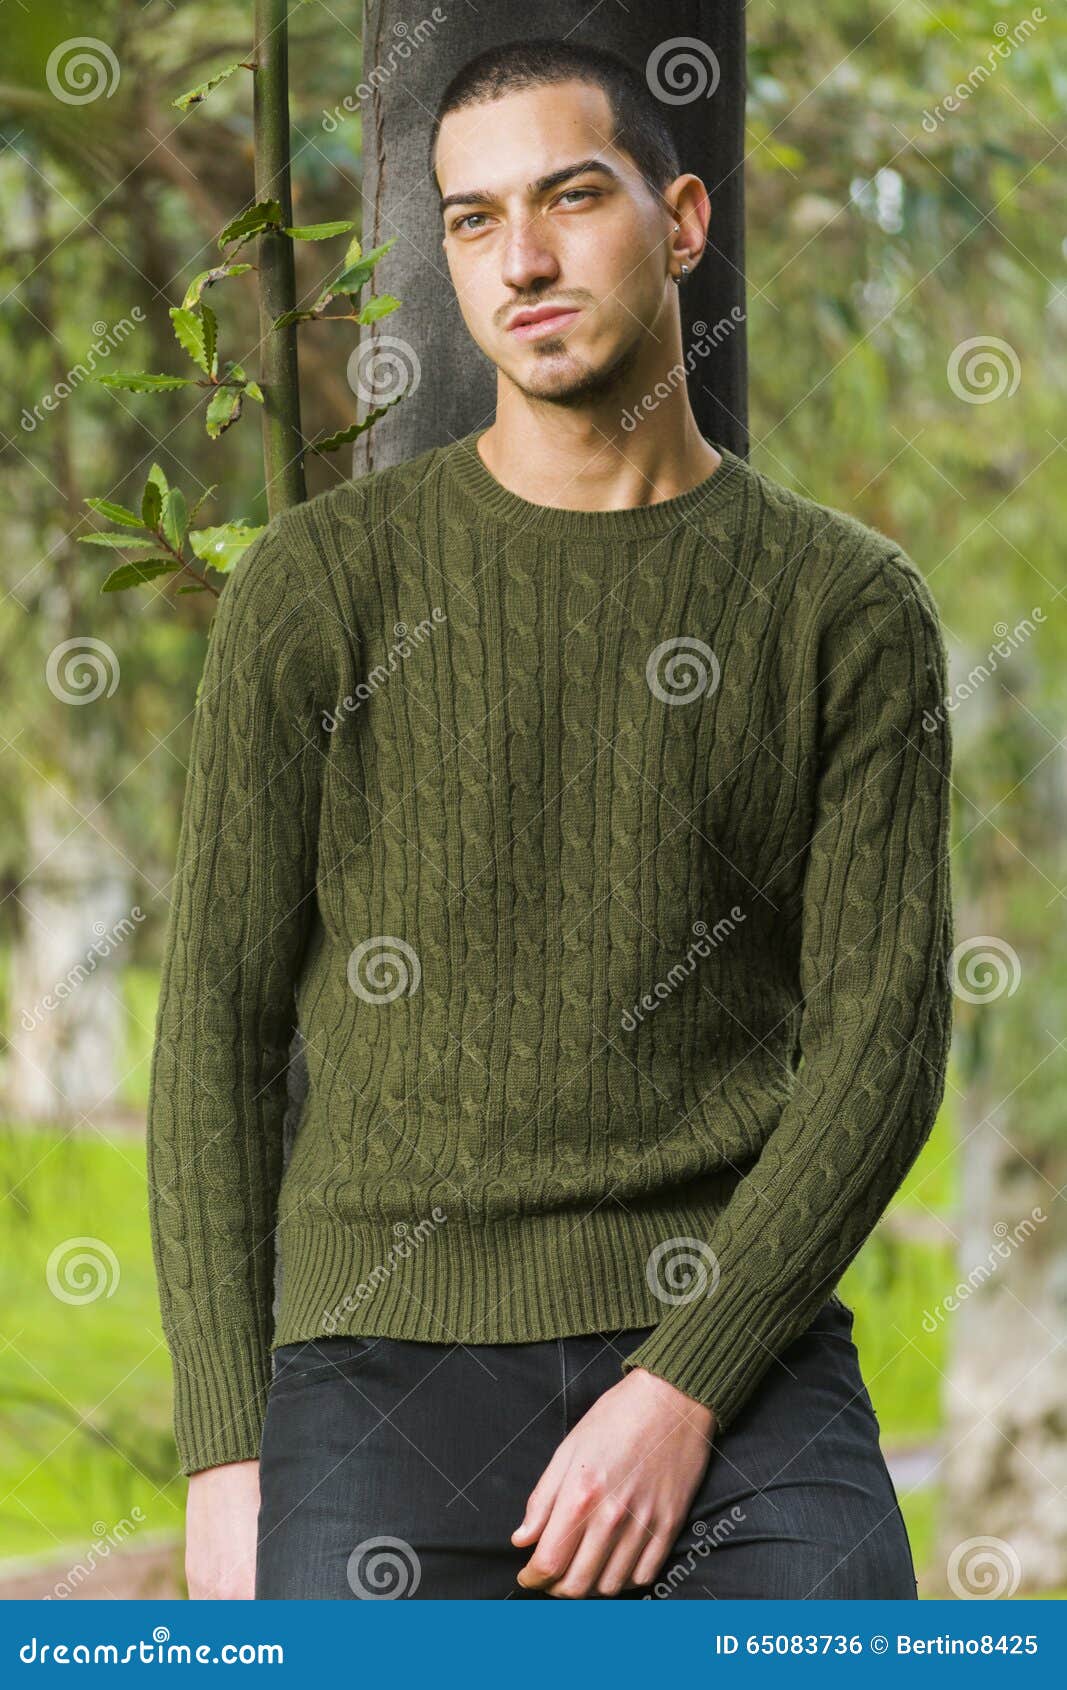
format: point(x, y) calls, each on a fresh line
point(716, 1349)
point(220, 1401)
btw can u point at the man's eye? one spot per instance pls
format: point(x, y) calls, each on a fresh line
point(460, 221)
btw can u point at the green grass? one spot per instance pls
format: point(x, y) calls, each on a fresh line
point(84, 1385)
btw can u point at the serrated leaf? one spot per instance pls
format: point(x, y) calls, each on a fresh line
point(211, 338)
point(189, 331)
point(222, 546)
point(353, 251)
point(208, 278)
point(265, 214)
point(355, 276)
point(115, 513)
point(224, 409)
point(136, 574)
point(139, 381)
point(205, 495)
point(377, 308)
point(193, 96)
point(319, 231)
point(175, 517)
point(254, 391)
point(122, 541)
point(330, 442)
point(156, 474)
point(152, 500)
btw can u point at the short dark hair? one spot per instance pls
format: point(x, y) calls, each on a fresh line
point(640, 127)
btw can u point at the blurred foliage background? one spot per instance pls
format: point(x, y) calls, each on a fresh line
point(907, 327)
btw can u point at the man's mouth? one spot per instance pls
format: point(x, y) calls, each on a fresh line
point(539, 320)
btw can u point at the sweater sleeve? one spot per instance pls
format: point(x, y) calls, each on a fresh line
point(242, 894)
point(876, 1003)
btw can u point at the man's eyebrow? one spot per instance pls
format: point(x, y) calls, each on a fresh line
point(543, 185)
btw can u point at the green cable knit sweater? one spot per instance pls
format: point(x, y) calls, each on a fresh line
point(602, 858)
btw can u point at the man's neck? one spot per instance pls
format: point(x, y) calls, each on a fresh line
point(582, 460)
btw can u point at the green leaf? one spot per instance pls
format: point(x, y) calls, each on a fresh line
point(190, 333)
point(115, 513)
point(175, 517)
point(123, 541)
point(355, 276)
point(193, 97)
point(301, 316)
point(380, 306)
point(136, 574)
point(208, 278)
point(139, 381)
point(152, 498)
point(205, 495)
point(353, 251)
point(224, 409)
point(254, 391)
point(330, 442)
point(211, 338)
point(222, 546)
point(193, 587)
point(319, 231)
point(265, 214)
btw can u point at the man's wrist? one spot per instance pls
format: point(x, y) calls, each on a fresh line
point(661, 1390)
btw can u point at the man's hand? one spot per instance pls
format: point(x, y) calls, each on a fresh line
point(611, 1501)
point(221, 1532)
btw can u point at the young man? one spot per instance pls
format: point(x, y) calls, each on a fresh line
point(569, 786)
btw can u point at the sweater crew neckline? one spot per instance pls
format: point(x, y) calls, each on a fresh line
point(722, 488)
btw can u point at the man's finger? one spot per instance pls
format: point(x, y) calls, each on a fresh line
point(541, 1499)
point(562, 1532)
point(597, 1544)
point(621, 1566)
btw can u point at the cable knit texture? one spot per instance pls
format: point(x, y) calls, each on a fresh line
point(602, 858)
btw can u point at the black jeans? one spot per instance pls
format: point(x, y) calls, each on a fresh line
point(390, 1468)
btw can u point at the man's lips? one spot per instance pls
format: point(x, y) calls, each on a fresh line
point(541, 320)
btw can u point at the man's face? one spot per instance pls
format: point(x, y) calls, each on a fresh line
point(587, 248)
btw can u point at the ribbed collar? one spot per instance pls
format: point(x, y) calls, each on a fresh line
point(724, 487)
